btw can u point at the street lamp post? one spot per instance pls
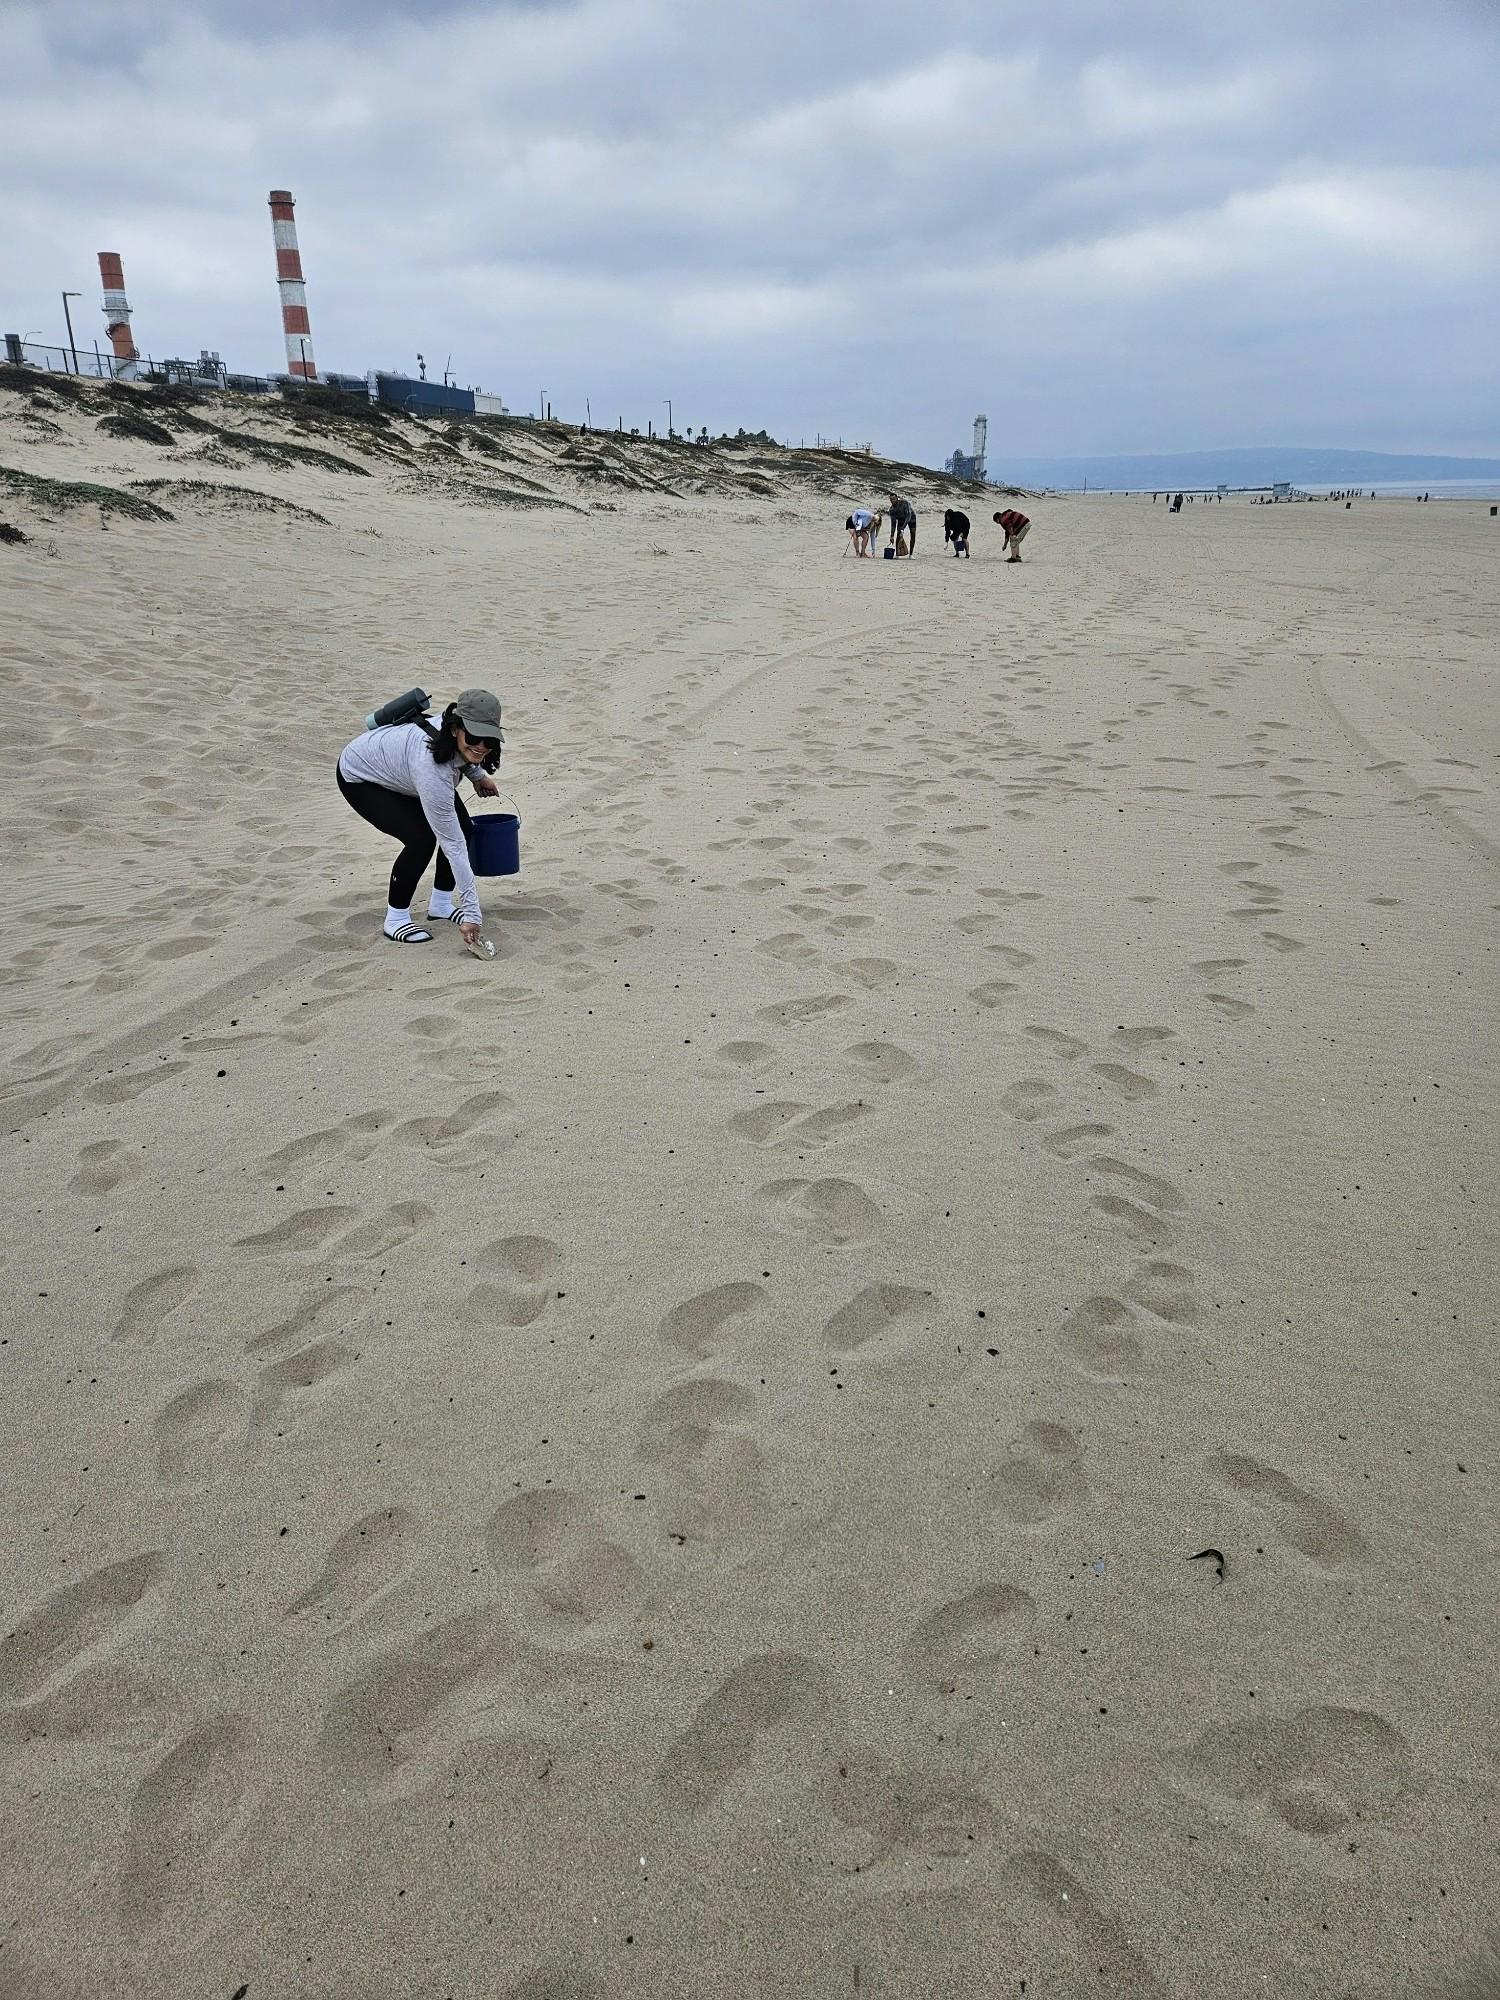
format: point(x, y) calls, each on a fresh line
point(541, 410)
point(69, 318)
point(668, 401)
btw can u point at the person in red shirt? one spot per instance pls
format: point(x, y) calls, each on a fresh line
point(1016, 527)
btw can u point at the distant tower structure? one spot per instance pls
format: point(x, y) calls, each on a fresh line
point(981, 439)
point(294, 321)
point(117, 312)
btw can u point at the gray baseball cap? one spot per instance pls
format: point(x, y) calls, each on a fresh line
point(479, 712)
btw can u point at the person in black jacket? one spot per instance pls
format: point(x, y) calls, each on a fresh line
point(903, 526)
point(956, 530)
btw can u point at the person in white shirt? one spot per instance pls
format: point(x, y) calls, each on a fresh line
point(862, 527)
point(404, 779)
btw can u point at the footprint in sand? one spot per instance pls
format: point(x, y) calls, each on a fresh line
point(1167, 1290)
point(74, 1625)
point(121, 1089)
point(1070, 1140)
point(1067, 1048)
point(700, 1433)
point(1100, 1335)
point(459, 1139)
point(1315, 1770)
point(285, 1387)
point(871, 973)
point(1309, 1524)
point(307, 1229)
point(1066, 1935)
point(354, 1139)
point(101, 1167)
point(985, 1630)
point(883, 1061)
point(364, 1565)
point(186, 1819)
point(828, 1211)
point(696, 1326)
point(1029, 1099)
point(993, 992)
point(789, 948)
point(792, 1013)
point(1125, 1082)
point(319, 1302)
point(1149, 1188)
point(747, 1055)
point(150, 1302)
point(1141, 1038)
point(1227, 1007)
point(881, 1317)
point(561, 1980)
point(519, 1280)
point(1040, 1476)
point(399, 1721)
point(384, 1232)
point(795, 1125)
point(774, 1709)
point(191, 1433)
point(571, 1577)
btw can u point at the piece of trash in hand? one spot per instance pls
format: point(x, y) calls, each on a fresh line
point(479, 947)
point(1215, 1556)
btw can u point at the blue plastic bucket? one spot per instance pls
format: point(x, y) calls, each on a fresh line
point(495, 843)
point(889, 553)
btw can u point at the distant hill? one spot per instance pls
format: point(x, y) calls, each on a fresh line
point(1324, 465)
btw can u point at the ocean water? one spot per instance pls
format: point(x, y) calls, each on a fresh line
point(1411, 489)
point(1389, 489)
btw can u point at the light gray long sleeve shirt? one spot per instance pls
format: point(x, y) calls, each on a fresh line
point(401, 759)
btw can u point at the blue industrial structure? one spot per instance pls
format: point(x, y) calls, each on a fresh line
point(404, 392)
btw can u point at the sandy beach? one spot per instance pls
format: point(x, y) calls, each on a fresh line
point(668, 1464)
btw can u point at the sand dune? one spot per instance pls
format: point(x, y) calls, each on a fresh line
point(668, 1464)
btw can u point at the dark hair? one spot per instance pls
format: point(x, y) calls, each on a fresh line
point(445, 743)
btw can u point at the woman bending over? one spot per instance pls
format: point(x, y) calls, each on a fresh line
point(404, 780)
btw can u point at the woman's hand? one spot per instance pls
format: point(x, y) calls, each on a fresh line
point(469, 933)
point(487, 788)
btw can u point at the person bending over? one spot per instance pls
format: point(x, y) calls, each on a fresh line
point(863, 527)
point(1017, 528)
point(903, 526)
point(404, 780)
point(956, 530)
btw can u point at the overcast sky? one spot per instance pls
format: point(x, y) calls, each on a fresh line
point(1113, 225)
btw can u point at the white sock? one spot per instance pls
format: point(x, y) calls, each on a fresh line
point(395, 918)
point(440, 903)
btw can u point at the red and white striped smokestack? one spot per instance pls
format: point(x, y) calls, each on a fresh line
point(116, 306)
point(294, 322)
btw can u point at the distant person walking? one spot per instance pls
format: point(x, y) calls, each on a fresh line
point(1017, 528)
point(903, 526)
point(863, 526)
point(956, 530)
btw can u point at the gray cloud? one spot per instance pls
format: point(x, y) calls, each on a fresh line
point(1113, 227)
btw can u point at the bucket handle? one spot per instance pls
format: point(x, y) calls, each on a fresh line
point(504, 799)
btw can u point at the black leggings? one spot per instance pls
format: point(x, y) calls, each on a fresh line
point(404, 820)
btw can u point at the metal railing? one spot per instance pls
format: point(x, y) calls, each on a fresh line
point(90, 360)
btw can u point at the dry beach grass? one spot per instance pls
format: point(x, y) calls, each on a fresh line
point(666, 1465)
